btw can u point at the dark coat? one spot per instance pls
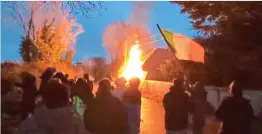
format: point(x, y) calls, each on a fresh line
point(199, 100)
point(29, 95)
point(132, 96)
point(177, 106)
point(236, 114)
point(106, 115)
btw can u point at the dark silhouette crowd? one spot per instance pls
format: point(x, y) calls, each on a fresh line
point(235, 112)
point(116, 110)
point(49, 109)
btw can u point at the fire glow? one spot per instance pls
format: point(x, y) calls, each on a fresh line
point(133, 67)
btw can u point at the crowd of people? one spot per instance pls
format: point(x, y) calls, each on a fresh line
point(49, 109)
point(235, 112)
point(116, 110)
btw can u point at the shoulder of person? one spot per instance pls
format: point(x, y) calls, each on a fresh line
point(227, 99)
point(28, 126)
point(79, 126)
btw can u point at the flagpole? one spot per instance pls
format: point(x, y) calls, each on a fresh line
point(179, 65)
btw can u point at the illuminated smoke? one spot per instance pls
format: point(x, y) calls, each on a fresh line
point(120, 36)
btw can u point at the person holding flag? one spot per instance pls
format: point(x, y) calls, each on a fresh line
point(186, 49)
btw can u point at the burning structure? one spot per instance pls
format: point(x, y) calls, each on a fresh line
point(133, 66)
point(127, 41)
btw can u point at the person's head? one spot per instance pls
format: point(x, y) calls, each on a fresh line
point(104, 86)
point(199, 87)
point(57, 95)
point(81, 81)
point(67, 76)
point(177, 85)
point(86, 76)
point(134, 83)
point(61, 76)
point(48, 73)
point(28, 78)
point(235, 89)
point(178, 82)
point(120, 82)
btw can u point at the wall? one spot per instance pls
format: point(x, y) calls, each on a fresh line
point(156, 90)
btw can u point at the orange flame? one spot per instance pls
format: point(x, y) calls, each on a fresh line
point(134, 64)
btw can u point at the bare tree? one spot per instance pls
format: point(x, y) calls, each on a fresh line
point(74, 7)
point(48, 31)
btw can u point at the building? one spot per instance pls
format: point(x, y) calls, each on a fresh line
point(153, 60)
point(159, 56)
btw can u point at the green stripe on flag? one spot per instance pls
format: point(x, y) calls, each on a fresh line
point(168, 36)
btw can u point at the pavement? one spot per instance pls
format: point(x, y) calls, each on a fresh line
point(152, 117)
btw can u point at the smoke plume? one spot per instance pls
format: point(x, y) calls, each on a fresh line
point(120, 36)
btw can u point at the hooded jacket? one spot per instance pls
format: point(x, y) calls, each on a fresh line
point(52, 121)
point(106, 115)
point(177, 107)
point(236, 114)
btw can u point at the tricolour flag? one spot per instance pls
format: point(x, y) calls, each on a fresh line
point(183, 47)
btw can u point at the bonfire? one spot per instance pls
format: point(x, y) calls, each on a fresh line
point(133, 66)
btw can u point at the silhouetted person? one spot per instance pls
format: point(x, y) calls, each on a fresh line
point(120, 88)
point(67, 76)
point(235, 112)
point(199, 99)
point(70, 84)
point(107, 114)
point(177, 107)
point(8, 114)
point(45, 77)
point(29, 93)
point(82, 94)
point(56, 116)
point(61, 76)
point(132, 101)
point(6, 86)
point(83, 90)
point(86, 77)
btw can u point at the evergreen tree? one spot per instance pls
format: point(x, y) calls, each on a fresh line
point(28, 50)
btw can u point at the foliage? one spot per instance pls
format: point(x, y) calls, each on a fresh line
point(230, 33)
point(69, 55)
point(49, 35)
point(233, 27)
point(50, 51)
point(191, 70)
point(11, 102)
point(218, 17)
point(170, 69)
point(28, 50)
point(12, 70)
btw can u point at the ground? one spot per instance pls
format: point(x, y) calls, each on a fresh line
point(152, 117)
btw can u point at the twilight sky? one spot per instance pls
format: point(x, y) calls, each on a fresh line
point(89, 43)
